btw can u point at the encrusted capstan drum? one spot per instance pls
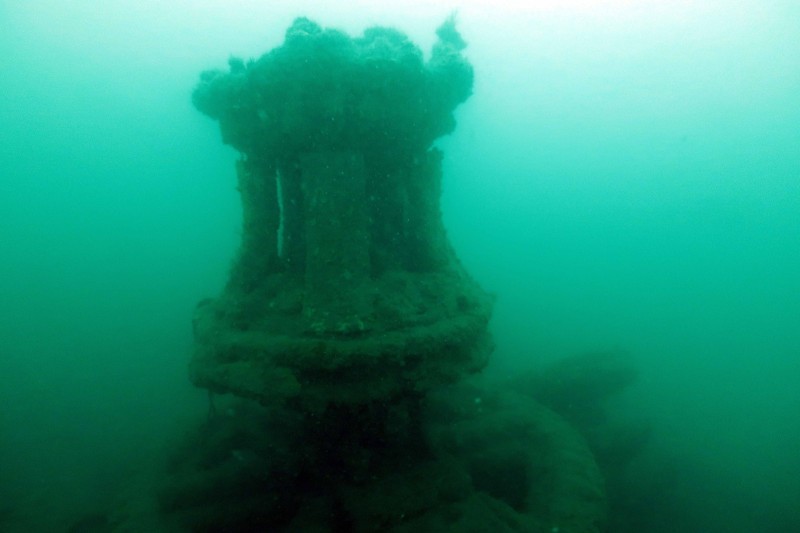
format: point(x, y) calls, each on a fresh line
point(345, 288)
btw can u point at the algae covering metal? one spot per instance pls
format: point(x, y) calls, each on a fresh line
point(345, 288)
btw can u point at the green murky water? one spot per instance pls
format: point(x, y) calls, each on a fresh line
point(624, 176)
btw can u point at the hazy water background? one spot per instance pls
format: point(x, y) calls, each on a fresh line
point(626, 174)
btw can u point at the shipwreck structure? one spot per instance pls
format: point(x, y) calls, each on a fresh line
point(347, 321)
point(345, 288)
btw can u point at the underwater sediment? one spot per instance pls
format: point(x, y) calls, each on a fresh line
point(348, 324)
